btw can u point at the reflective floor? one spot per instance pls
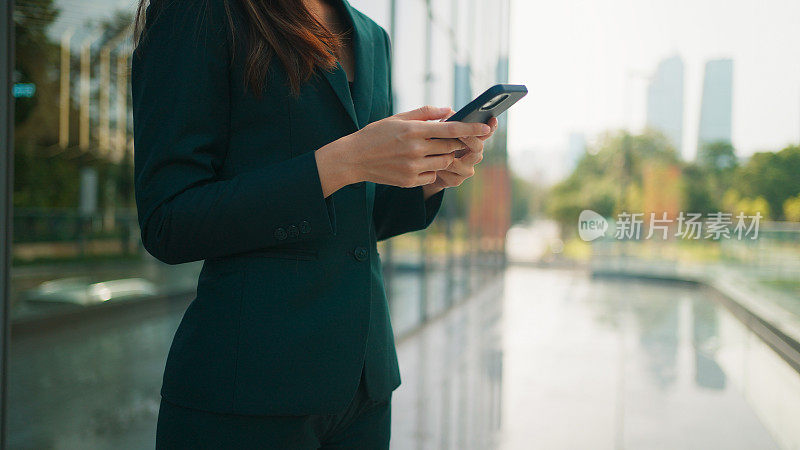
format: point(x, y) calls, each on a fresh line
point(558, 360)
point(91, 381)
point(537, 359)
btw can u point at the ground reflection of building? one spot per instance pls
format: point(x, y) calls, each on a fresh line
point(451, 396)
point(705, 323)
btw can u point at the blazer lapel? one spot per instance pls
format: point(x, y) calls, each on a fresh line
point(359, 105)
point(338, 81)
point(364, 52)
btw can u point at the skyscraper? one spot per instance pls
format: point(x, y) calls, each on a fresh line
point(717, 106)
point(665, 101)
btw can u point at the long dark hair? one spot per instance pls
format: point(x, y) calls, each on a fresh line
point(282, 28)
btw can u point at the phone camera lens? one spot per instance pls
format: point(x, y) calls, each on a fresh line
point(494, 102)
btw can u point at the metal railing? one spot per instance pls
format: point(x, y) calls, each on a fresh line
point(761, 274)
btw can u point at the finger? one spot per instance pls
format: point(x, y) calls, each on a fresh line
point(450, 179)
point(448, 115)
point(474, 153)
point(474, 144)
point(461, 153)
point(451, 129)
point(426, 112)
point(460, 168)
point(436, 162)
point(493, 123)
point(472, 158)
point(440, 146)
point(426, 178)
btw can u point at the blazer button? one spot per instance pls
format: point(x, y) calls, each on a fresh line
point(360, 253)
point(293, 231)
point(280, 234)
point(305, 227)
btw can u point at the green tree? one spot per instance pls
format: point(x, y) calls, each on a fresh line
point(526, 199)
point(718, 157)
point(791, 209)
point(609, 177)
point(698, 191)
point(773, 176)
point(718, 164)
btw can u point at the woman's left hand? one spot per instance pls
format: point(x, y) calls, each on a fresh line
point(462, 167)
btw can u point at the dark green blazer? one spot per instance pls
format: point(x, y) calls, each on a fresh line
point(290, 301)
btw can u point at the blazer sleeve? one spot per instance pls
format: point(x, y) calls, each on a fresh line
point(399, 210)
point(181, 111)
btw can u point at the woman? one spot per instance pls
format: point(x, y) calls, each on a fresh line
point(254, 155)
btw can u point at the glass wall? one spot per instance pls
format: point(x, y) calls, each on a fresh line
point(92, 313)
point(439, 60)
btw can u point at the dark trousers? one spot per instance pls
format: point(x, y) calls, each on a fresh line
point(364, 424)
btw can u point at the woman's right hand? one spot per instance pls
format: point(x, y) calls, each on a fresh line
point(397, 150)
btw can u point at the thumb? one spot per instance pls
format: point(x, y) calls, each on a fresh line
point(425, 113)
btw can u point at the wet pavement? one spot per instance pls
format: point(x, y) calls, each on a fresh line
point(557, 360)
point(537, 359)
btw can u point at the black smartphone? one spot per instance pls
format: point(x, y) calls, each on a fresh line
point(493, 102)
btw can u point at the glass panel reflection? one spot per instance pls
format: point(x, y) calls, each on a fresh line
point(92, 313)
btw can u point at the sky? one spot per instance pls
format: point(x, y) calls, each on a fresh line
point(586, 64)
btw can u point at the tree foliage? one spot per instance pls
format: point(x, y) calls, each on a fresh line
point(773, 176)
point(609, 178)
point(612, 177)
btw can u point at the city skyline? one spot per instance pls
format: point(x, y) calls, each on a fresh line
point(583, 64)
point(717, 103)
point(665, 100)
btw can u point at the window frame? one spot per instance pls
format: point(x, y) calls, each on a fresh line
point(6, 190)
